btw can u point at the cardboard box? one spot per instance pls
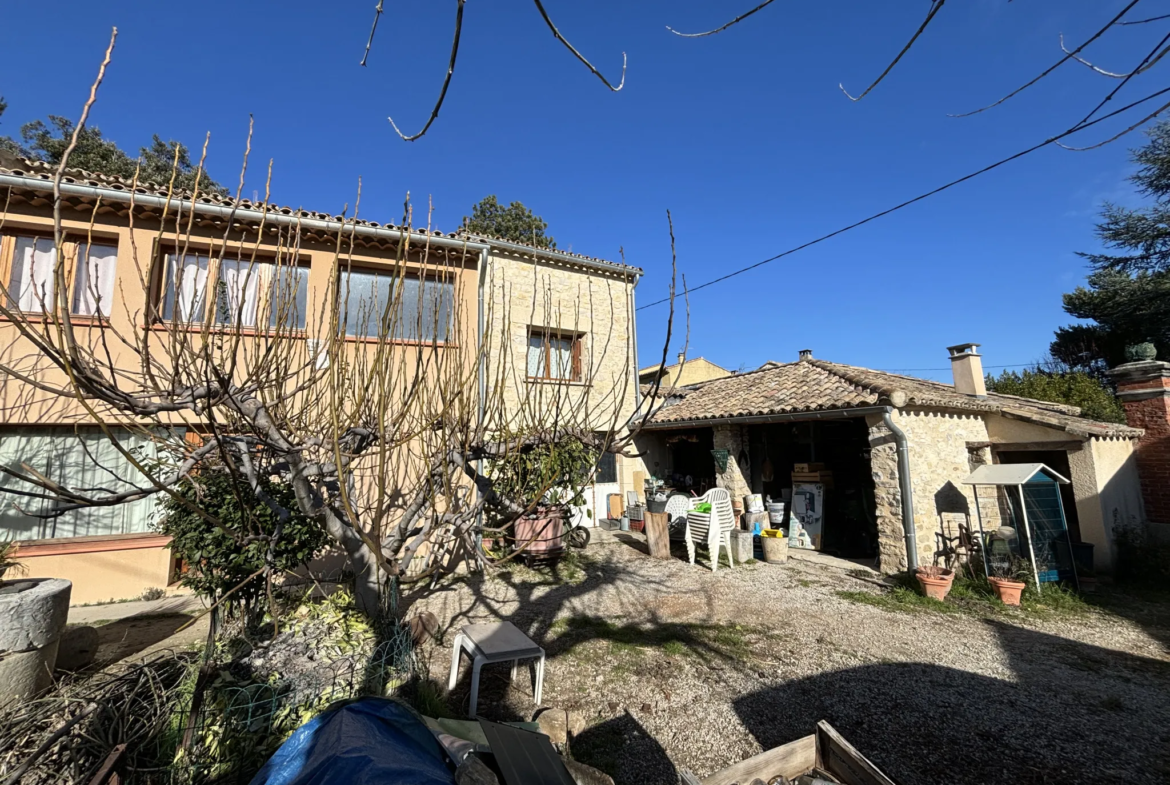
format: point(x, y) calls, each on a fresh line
point(807, 467)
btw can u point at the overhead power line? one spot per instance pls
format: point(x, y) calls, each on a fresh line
point(1075, 129)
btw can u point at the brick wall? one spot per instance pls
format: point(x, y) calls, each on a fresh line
point(1144, 390)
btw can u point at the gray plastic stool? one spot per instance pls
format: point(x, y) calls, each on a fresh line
point(496, 642)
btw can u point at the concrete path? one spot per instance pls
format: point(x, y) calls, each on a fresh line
point(89, 614)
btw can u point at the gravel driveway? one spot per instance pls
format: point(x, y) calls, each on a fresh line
point(671, 667)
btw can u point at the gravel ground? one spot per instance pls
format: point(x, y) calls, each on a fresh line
point(671, 667)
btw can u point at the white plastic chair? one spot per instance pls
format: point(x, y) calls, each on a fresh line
point(714, 527)
point(677, 507)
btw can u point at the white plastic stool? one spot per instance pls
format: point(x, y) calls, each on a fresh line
point(497, 642)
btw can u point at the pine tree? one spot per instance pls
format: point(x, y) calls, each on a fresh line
point(514, 222)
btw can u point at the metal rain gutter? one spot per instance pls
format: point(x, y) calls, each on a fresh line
point(598, 264)
point(906, 488)
point(225, 211)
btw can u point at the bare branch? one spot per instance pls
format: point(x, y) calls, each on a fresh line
point(373, 29)
point(557, 34)
point(734, 21)
point(1146, 21)
point(1115, 20)
point(1115, 137)
point(1110, 74)
point(446, 79)
point(936, 6)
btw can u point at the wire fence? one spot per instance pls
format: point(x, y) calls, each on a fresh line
point(169, 720)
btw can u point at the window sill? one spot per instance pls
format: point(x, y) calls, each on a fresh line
point(196, 327)
point(97, 544)
point(557, 382)
point(75, 319)
point(399, 342)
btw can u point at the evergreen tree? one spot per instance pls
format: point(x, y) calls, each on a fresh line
point(95, 153)
point(1128, 291)
point(1071, 387)
point(514, 222)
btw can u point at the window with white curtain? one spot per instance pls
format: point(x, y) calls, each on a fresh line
point(32, 275)
point(82, 459)
point(93, 288)
point(249, 292)
point(30, 283)
point(553, 355)
point(422, 312)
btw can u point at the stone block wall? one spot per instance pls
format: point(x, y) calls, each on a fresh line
point(522, 293)
point(737, 477)
point(939, 461)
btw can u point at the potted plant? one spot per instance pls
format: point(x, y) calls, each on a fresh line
point(1008, 579)
point(7, 560)
point(935, 581)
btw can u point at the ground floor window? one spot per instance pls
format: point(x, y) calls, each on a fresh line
point(81, 458)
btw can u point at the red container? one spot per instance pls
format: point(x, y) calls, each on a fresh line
point(541, 533)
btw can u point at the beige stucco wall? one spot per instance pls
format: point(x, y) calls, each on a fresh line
point(693, 371)
point(105, 575)
point(1120, 500)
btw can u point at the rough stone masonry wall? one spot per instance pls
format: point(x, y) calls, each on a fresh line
point(737, 478)
point(939, 461)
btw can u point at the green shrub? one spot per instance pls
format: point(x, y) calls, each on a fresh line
point(219, 558)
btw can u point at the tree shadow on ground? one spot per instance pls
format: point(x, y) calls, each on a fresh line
point(129, 636)
point(622, 748)
point(544, 604)
point(1062, 720)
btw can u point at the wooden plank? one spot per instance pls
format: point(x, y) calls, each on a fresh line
point(843, 761)
point(106, 775)
point(657, 535)
point(789, 760)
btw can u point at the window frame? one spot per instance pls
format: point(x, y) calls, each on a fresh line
point(394, 275)
point(209, 318)
point(71, 249)
point(546, 334)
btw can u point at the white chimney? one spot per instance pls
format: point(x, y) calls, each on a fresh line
point(967, 368)
point(682, 356)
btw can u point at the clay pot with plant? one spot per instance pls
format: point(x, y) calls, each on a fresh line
point(935, 581)
point(1008, 577)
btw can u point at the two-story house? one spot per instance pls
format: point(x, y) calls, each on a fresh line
point(557, 331)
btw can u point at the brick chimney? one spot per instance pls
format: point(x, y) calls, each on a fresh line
point(967, 368)
point(1144, 389)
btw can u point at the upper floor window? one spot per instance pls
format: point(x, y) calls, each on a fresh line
point(32, 275)
point(554, 355)
point(370, 308)
point(246, 292)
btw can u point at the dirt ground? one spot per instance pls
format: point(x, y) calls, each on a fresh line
point(672, 667)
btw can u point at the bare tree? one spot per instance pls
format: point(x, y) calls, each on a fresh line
point(381, 402)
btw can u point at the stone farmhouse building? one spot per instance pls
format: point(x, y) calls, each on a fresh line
point(551, 320)
point(853, 420)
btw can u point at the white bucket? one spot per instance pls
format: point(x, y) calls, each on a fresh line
point(776, 512)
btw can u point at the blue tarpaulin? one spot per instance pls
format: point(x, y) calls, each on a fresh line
point(364, 742)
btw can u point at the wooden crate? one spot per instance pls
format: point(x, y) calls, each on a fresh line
point(823, 752)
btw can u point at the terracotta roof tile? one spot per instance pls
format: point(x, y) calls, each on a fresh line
point(816, 385)
point(39, 170)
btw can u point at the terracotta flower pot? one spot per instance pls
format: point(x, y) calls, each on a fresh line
point(1007, 590)
point(936, 583)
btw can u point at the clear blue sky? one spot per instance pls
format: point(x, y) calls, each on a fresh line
point(744, 136)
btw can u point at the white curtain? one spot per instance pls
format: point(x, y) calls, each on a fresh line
point(239, 291)
point(31, 282)
point(562, 357)
point(186, 288)
point(94, 288)
point(81, 460)
point(536, 356)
